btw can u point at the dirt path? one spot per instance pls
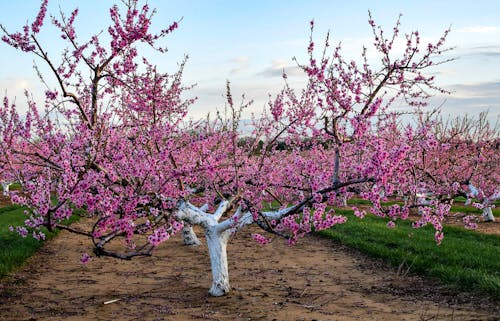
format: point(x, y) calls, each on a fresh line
point(315, 280)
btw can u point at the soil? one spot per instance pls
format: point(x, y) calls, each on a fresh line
point(456, 219)
point(315, 280)
point(4, 201)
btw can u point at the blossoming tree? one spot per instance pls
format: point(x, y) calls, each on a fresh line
point(112, 139)
point(462, 159)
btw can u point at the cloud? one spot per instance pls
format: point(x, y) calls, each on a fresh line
point(277, 68)
point(471, 99)
point(17, 84)
point(489, 90)
point(486, 47)
point(488, 53)
point(238, 70)
point(478, 29)
point(14, 88)
point(241, 63)
point(239, 60)
point(472, 107)
point(482, 51)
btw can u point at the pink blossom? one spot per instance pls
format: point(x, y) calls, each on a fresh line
point(469, 222)
point(260, 239)
point(85, 258)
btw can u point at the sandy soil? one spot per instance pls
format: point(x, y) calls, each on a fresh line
point(315, 280)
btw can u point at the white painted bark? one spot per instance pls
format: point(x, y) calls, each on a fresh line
point(5, 187)
point(217, 249)
point(474, 192)
point(217, 235)
point(189, 236)
point(488, 214)
point(422, 199)
point(216, 239)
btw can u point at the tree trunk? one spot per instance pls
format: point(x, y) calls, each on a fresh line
point(189, 236)
point(5, 187)
point(488, 214)
point(216, 243)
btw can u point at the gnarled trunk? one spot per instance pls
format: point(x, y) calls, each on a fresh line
point(217, 235)
point(216, 243)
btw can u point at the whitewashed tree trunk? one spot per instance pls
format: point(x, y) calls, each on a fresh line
point(189, 236)
point(217, 249)
point(488, 214)
point(217, 235)
point(422, 199)
point(5, 187)
point(216, 239)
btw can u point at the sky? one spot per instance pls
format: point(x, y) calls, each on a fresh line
point(249, 43)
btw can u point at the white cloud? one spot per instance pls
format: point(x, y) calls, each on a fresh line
point(14, 88)
point(241, 63)
point(489, 90)
point(239, 60)
point(278, 66)
point(478, 29)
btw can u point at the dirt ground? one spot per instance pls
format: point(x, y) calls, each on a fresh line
point(456, 219)
point(315, 280)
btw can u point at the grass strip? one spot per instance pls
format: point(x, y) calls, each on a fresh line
point(458, 206)
point(14, 249)
point(465, 259)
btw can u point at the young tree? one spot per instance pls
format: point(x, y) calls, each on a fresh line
point(117, 145)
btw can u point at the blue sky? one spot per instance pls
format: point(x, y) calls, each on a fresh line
point(250, 42)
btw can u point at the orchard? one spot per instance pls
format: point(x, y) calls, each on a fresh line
point(112, 143)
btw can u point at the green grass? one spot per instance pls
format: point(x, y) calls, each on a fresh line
point(466, 259)
point(472, 210)
point(458, 206)
point(15, 186)
point(14, 248)
point(462, 199)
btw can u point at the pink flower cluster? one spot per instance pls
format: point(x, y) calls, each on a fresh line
point(123, 151)
point(470, 222)
point(85, 258)
point(260, 239)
